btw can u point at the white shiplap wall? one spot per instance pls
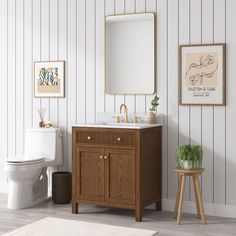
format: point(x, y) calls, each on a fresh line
point(73, 30)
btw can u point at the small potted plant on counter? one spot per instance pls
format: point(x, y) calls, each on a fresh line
point(151, 116)
point(189, 157)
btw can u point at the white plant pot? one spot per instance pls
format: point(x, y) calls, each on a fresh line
point(187, 164)
point(190, 164)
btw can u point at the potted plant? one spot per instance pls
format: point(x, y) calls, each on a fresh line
point(189, 157)
point(151, 116)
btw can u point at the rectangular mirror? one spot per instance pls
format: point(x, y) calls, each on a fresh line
point(130, 54)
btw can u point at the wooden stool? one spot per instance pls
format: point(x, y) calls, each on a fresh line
point(180, 193)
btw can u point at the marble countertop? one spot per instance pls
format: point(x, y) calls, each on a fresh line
point(118, 125)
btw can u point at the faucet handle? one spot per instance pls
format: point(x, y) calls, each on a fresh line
point(136, 119)
point(117, 119)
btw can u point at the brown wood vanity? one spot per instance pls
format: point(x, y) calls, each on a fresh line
point(117, 167)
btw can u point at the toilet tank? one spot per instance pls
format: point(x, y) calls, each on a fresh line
point(44, 142)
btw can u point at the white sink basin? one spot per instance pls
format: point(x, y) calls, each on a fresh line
point(124, 124)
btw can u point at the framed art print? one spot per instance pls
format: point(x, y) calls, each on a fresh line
point(49, 79)
point(202, 74)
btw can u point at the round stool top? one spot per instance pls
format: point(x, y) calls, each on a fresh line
point(182, 171)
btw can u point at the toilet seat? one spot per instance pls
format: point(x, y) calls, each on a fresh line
point(25, 161)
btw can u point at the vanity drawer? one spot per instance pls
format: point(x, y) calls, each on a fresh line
point(112, 138)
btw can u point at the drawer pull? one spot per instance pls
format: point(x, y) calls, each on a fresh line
point(118, 139)
point(101, 157)
point(105, 157)
point(89, 137)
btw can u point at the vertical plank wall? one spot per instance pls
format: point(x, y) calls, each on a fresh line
point(73, 30)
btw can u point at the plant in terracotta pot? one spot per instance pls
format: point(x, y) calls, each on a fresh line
point(189, 157)
point(151, 116)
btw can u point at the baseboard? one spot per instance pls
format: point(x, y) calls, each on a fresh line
point(169, 205)
point(210, 208)
point(4, 188)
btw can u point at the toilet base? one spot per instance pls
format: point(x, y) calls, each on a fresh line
point(28, 193)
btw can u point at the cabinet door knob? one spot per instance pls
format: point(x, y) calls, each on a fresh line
point(89, 137)
point(105, 157)
point(101, 157)
point(118, 139)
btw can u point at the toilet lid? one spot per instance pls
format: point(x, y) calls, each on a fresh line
point(25, 161)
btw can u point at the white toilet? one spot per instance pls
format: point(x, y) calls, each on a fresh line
point(27, 175)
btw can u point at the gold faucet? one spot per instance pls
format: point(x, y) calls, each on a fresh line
point(125, 112)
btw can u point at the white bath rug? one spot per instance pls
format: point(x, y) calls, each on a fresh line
point(60, 227)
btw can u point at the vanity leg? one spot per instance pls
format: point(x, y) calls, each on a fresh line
point(138, 214)
point(75, 207)
point(158, 205)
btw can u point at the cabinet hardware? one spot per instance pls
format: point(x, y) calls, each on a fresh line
point(105, 157)
point(89, 137)
point(118, 139)
point(101, 157)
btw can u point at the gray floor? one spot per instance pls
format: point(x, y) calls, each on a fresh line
point(159, 221)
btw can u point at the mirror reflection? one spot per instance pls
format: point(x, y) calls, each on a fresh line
point(130, 54)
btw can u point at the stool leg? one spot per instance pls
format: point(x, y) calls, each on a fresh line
point(177, 197)
point(180, 205)
point(196, 180)
point(196, 197)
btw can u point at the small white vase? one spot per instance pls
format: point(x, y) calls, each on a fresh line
point(151, 118)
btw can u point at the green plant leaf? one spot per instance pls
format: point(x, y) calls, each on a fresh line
point(192, 153)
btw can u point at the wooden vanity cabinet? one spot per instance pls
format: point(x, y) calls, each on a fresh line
point(117, 168)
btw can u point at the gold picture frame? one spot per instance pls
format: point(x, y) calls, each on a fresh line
point(49, 79)
point(202, 73)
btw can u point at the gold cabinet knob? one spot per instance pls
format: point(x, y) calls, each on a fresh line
point(118, 139)
point(105, 157)
point(101, 157)
point(89, 137)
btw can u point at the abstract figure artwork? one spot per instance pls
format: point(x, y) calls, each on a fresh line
point(49, 79)
point(202, 74)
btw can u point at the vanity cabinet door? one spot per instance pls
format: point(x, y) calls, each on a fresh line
point(89, 166)
point(120, 176)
